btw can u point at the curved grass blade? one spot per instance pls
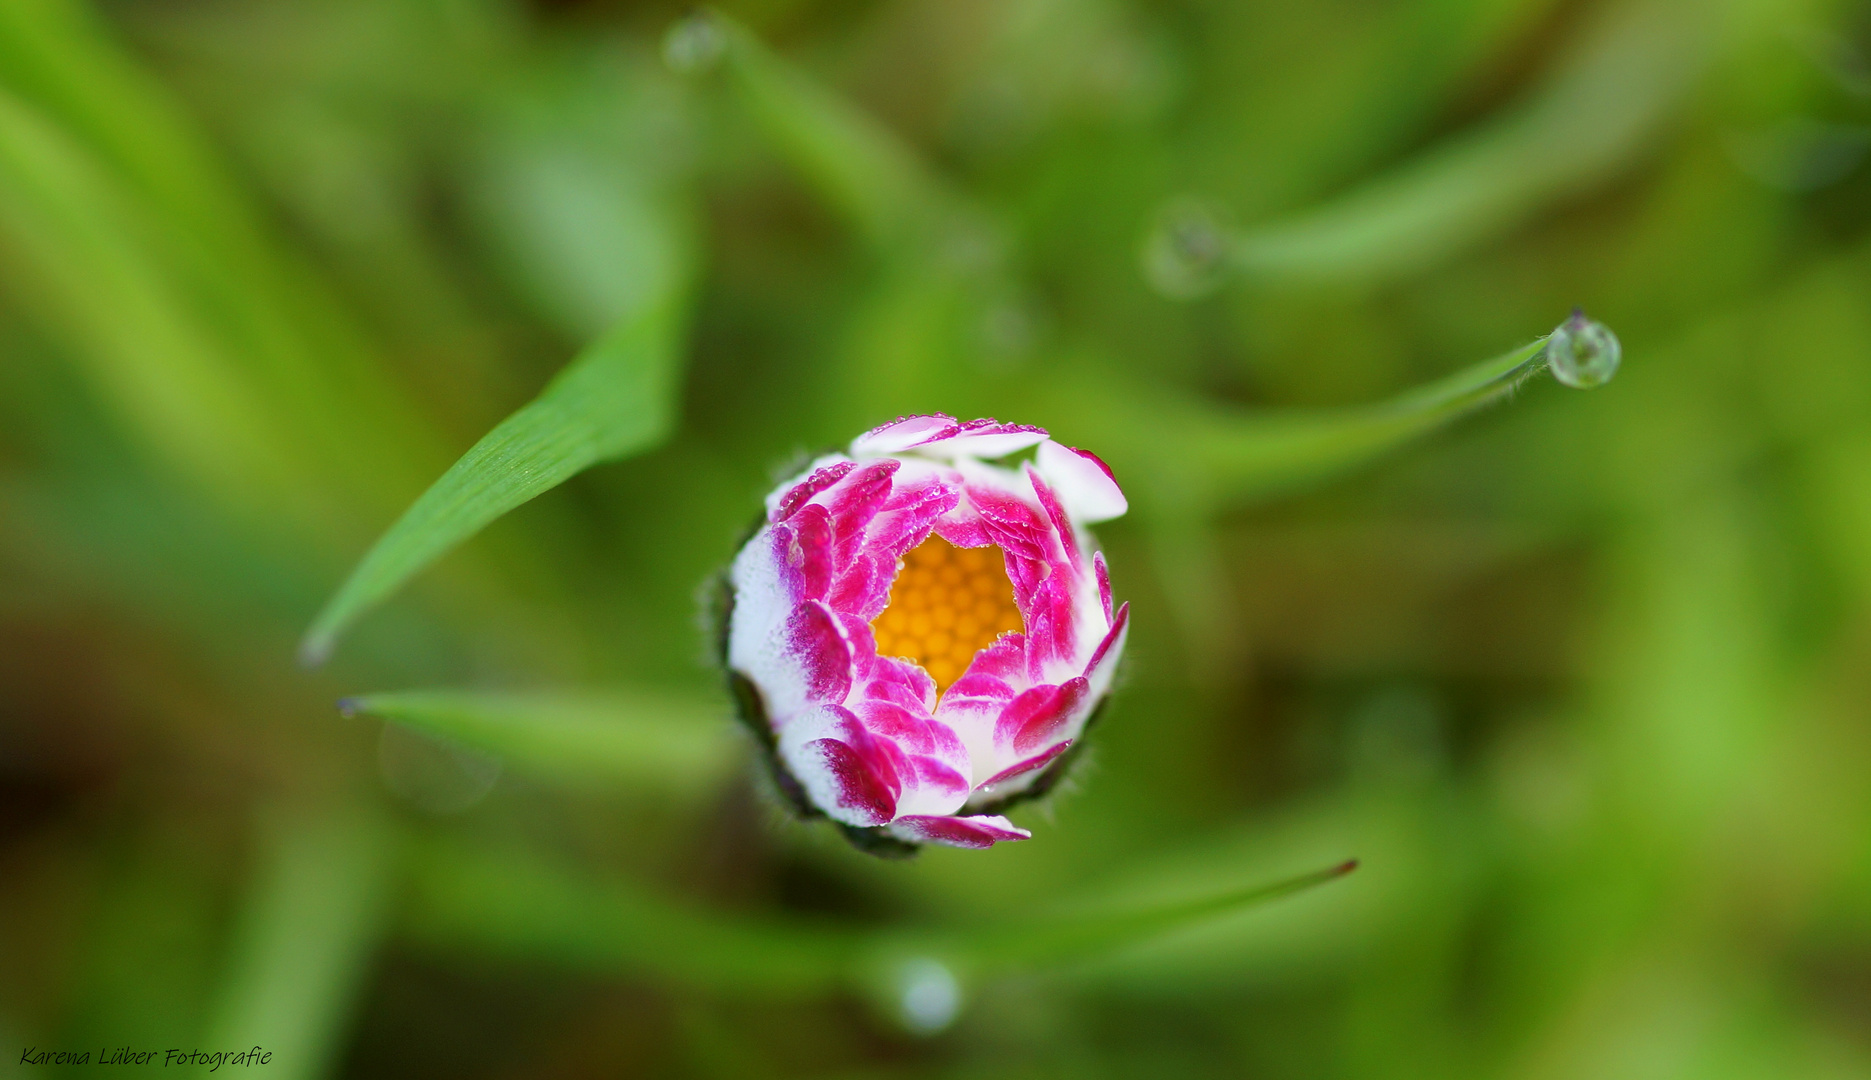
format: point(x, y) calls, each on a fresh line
point(1201, 455)
point(617, 398)
point(59, 54)
point(71, 245)
point(861, 168)
point(518, 904)
point(316, 910)
point(176, 270)
point(1590, 118)
point(628, 738)
point(1063, 940)
point(1246, 458)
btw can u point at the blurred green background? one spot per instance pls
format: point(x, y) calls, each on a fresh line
point(1581, 679)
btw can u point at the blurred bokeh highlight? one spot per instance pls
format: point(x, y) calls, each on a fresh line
point(1581, 678)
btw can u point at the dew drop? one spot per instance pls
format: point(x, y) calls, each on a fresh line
point(1583, 353)
point(928, 996)
point(693, 44)
point(1186, 253)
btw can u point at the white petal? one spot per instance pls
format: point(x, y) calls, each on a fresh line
point(985, 446)
point(756, 647)
point(1086, 488)
point(983, 831)
point(901, 434)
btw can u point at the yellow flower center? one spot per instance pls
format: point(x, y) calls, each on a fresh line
point(946, 604)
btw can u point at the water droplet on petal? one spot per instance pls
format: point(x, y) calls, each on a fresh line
point(693, 44)
point(1583, 353)
point(1187, 251)
point(928, 996)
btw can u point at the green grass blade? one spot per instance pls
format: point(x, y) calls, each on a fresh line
point(1593, 115)
point(615, 399)
point(1188, 453)
point(59, 54)
point(514, 904)
point(1063, 940)
point(304, 936)
point(159, 217)
point(1245, 458)
point(861, 169)
point(71, 243)
point(629, 738)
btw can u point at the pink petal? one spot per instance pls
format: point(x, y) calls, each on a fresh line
point(802, 492)
point(1019, 529)
point(902, 433)
point(845, 771)
point(964, 530)
point(860, 642)
point(935, 786)
point(1031, 720)
point(1002, 660)
point(816, 640)
point(802, 548)
point(1055, 516)
point(1104, 582)
point(1037, 761)
point(911, 514)
point(864, 587)
point(1085, 484)
point(895, 679)
point(986, 439)
point(909, 728)
point(973, 703)
point(854, 502)
point(983, 831)
point(861, 791)
point(1049, 610)
point(1112, 647)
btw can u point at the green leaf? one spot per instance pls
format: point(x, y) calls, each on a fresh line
point(304, 936)
point(632, 738)
point(617, 398)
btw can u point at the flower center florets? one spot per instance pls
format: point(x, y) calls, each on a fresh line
point(946, 604)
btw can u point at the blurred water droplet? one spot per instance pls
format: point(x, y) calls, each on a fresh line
point(1187, 251)
point(436, 775)
point(928, 996)
point(1583, 353)
point(693, 44)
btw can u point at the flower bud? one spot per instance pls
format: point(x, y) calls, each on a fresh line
point(920, 635)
